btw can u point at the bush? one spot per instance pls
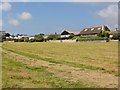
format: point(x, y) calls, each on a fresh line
point(9, 39)
point(39, 38)
point(116, 36)
point(104, 34)
point(71, 36)
point(26, 39)
point(32, 40)
point(15, 40)
point(53, 37)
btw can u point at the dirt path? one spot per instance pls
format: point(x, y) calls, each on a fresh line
point(85, 76)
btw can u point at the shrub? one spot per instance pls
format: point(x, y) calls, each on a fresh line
point(53, 37)
point(116, 36)
point(39, 38)
point(26, 39)
point(32, 40)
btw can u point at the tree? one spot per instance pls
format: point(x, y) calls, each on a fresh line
point(7, 34)
point(32, 40)
point(106, 33)
point(2, 38)
point(71, 36)
point(39, 38)
point(26, 39)
point(53, 37)
point(116, 36)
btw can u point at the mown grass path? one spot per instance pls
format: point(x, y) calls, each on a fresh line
point(87, 55)
point(73, 74)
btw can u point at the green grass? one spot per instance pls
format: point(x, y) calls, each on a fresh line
point(95, 56)
point(56, 61)
point(18, 75)
point(87, 55)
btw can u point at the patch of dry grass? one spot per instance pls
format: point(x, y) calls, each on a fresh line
point(86, 77)
point(20, 74)
point(101, 55)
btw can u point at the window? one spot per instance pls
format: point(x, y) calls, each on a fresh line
point(92, 29)
point(85, 29)
point(99, 28)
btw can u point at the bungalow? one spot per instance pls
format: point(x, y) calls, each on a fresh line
point(67, 33)
point(10, 37)
point(19, 36)
point(31, 37)
point(45, 36)
point(93, 31)
point(54, 35)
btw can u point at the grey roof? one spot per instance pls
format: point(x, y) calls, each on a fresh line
point(67, 32)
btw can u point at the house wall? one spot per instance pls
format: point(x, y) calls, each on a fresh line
point(64, 36)
point(65, 33)
point(31, 38)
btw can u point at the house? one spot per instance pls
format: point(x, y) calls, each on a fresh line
point(45, 36)
point(2, 33)
point(116, 31)
point(50, 36)
point(31, 37)
point(10, 37)
point(94, 31)
point(19, 36)
point(54, 35)
point(67, 33)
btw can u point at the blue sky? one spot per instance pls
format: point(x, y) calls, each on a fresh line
point(50, 17)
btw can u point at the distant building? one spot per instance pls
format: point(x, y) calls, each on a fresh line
point(2, 33)
point(116, 31)
point(67, 33)
point(93, 30)
point(19, 36)
point(45, 36)
point(54, 35)
point(31, 37)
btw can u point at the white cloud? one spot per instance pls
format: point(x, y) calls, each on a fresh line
point(25, 16)
point(5, 0)
point(25, 0)
point(13, 22)
point(109, 12)
point(5, 6)
point(110, 15)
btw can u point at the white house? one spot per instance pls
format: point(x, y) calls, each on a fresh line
point(67, 33)
point(31, 37)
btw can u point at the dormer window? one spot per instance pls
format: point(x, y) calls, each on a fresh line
point(85, 29)
point(92, 29)
point(99, 28)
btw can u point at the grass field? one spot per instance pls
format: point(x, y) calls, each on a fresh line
point(60, 65)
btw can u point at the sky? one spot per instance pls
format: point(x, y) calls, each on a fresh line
point(49, 17)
